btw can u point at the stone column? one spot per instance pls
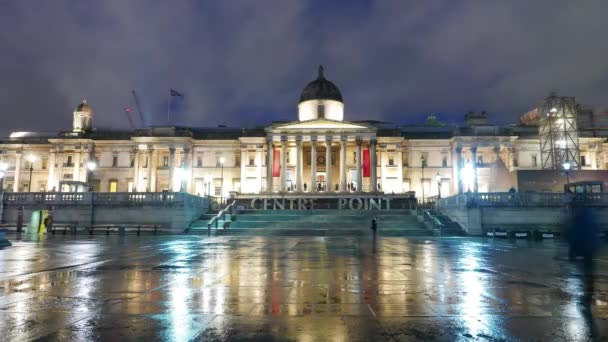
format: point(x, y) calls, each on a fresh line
point(244, 166)
point(59, 173)
point(135, 169)
point(359, 165)
point(154, 167)
point(474, 156)
point(171, 167)
point(299, 163)
point(258, 167)
point(283, 162)
point(269, 156)
point(186, 167)
point(328, 180)
point(374, 165)
point(313, 163)
point(459, 168)
point(17, 178)
point(76, 172)
point(496, 153)
point(51, 178)
point(343, 140)
point(150, 153)
point(399, 162)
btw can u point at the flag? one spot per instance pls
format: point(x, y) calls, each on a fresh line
point(174, 92)
point(366, 168)
point(276, 163)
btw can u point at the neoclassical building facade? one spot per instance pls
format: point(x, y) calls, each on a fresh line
point(319, 152)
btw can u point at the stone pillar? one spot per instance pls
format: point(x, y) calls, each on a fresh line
point(171, 167)
point(343, 140)
point(59, 172)
point(399, 162)
point(459, 168)
point(51, 178)
point(269, 155)
point(153, 168)
point(76, 172)
point(474, 156)
point(359, 165)
point(17, 178)
point(283, 162)
point(149, 153)
point(328, 181)
point(313, 164)
point(135, 169)
point(496, 153)
point(299, 165)
point(258, 167)
point(186, 167)
point(244, 166)
point(374, 165)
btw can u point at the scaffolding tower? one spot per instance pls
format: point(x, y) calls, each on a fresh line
point(558, 132)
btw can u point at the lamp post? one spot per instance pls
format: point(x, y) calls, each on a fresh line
point(91, 166)
point(222, 160)
point(567, 166)
point(438, 179)
point(423, 164)
point(31, 158)
point(3, 168)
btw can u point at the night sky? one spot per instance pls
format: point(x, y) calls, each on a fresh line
point(244, 63)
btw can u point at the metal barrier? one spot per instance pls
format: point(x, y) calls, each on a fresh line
point(220, 216)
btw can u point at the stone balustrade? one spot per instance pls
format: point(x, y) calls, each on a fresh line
point(99, 198)
point(534, 199)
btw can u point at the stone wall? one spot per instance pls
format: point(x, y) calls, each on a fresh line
point(170, 211)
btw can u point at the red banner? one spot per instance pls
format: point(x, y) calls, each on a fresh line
point(366, 169)
point(276, 163)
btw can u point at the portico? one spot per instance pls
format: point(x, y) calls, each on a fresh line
point(320, 147)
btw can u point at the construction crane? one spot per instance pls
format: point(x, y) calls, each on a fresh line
point(141, 117)
point(128, 111)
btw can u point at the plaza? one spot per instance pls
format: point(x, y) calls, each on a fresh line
point(181, 288)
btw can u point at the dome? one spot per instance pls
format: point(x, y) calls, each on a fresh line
point(321, 89)
point(84, 107)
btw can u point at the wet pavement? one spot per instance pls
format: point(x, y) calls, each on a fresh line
point(182, 288)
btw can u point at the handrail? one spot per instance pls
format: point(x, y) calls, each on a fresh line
point(220, 216)
point(436, 222)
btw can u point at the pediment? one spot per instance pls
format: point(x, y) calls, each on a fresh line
point(319, 124)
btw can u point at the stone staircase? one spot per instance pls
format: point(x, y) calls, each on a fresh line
point(320, 222)
point(449, 228)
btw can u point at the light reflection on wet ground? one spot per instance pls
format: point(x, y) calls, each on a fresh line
point(297, 289)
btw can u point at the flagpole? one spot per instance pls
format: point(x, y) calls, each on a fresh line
point(169, 110)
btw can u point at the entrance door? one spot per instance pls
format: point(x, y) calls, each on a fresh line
point(321, 181)
point(113, 185)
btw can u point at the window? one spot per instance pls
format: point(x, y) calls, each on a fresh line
point(165, 161)
point(515, 162)
point(480, 160)
point(132, 163)
point(114, 161)
point(69, 161)
point(321, 111)
point(444, 161)
point(534, 162)
point(218, 191)
point(218, 157)
point(199, 162)
point(583, 160)
point(391, 159)
point(68, 176)
point(251, 159)
point(42, 187)
point(424, 159)
point(146, 161)
point(113, 185)
point(44, 163)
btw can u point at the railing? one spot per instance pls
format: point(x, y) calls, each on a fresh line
point(220, 216)
point(536, 199)
point(100, 198)
point(434, 221)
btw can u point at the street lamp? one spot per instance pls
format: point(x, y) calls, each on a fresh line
point(31, 158)
point(222, 160)
point(91, 166)
point(438, 179)
point(3, 168)
point(567, 166)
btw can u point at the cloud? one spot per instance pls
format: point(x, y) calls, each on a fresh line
point(243, 63)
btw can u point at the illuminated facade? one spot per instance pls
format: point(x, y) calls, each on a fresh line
point(318, 153)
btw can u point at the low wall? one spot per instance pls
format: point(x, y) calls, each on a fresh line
point(170, 211)
point(480, 213)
